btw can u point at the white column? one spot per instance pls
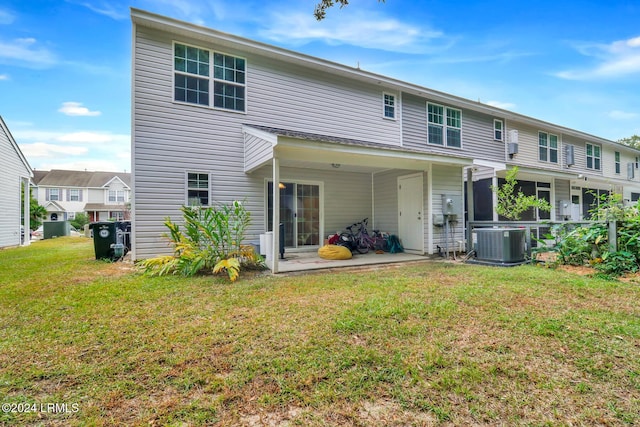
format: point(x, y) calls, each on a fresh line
point(275, 248)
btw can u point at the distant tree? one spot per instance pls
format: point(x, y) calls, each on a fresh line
point(80, 221)
point(633, 141)
point(37, 214)
point(320, 11)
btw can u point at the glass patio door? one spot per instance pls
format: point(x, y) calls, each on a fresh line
point(299, 213)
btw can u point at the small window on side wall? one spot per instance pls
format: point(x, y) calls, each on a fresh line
point(197, 189)
point(389, 106)
point(498, 130)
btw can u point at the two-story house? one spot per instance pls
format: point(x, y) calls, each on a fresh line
point(101, 195)
point(15, 175)
point(317, 145)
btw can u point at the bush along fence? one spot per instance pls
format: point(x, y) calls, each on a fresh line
point(210, 240)
point(611, 244)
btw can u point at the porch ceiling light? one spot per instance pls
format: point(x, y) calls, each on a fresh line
point(335, 165)
point(282, 186)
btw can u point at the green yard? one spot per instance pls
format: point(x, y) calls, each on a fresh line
point(428, 344)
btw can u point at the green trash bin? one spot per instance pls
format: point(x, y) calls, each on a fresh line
point(104, 238)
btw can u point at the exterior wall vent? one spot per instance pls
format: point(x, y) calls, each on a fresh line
point(569, 155)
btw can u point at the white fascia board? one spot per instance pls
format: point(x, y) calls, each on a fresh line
point(267, 136)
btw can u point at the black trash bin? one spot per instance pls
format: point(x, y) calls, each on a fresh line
point(104, 236)
point(111, 240)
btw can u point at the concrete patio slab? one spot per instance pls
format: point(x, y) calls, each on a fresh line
point(306, 261)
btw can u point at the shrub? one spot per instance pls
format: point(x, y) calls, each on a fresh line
point(590, 244)
point(210, 240)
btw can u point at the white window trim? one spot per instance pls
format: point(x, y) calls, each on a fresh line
point(557, 149)
point(617, 164)
point(211, 79)
point(593, 157)
point(186, 186)
point(71, 196)
point(395, 106)
point(445, 143)
point(58, 195)
point(501, 129)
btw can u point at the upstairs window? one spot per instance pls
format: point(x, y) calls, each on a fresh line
point(74, 195)
point(389, 106)
point(54, 194)
point(593, 157)
point(498, 130)
point(547, 147)
point(197, 189)
point(444, 132)
point(198, 79)
point(116, 196)
point(617, 160)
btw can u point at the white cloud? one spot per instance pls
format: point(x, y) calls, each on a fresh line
point(76, 109)
point(361, 28)
point(106, 9)
point(617, 59)
point(622, 115)
point(4, 77)
point(86, 138)
point(26, 52)
point(500, 104)
point(42, 149)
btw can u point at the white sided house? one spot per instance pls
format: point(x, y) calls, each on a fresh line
point(218, 118)
point(15, 176)
point(103, 196)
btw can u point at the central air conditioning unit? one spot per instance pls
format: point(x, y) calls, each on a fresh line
point(569, 155)
point(500, 246)
point(512, 146)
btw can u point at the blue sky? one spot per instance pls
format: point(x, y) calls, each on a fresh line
point(65, 65)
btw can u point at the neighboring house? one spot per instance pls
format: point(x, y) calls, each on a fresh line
point(101, 195)
point(217, 117)
point(15, 175)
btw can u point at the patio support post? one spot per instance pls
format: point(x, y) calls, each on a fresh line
point(470, 208)
point(275, 247)
point(26, 222)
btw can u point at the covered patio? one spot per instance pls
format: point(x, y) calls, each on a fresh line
point(348, 180)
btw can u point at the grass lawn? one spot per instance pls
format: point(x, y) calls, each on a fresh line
point(429, 344)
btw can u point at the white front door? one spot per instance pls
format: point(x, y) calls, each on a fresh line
point(411, 212)
point(576, 205)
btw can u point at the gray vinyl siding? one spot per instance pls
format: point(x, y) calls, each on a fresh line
point(12, 169)
point(446, 180)
point(256, 151)
point(580, 156)
point(172, 138)
point(477, 131)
